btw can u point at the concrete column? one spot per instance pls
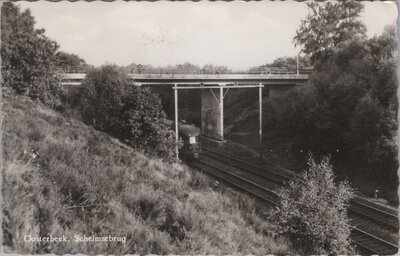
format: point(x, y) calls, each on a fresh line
point(212, 121)
point(260, 132)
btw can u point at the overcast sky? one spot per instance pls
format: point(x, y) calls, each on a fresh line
point(236, 34)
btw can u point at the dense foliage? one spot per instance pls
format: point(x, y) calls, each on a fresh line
point(185, 68)
point(133, 114)
point(27, 56)
point(348, 109)
point(289, 63)
point(70, 63)
point(313, 211)
point(329, 25)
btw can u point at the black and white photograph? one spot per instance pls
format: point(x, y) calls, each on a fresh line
point(199, 127)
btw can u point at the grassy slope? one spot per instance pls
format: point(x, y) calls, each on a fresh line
point(85, 182)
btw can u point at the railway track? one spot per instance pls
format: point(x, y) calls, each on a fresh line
point(366, 218)
point(239, 182)
point(386, 218)
point(370, 244)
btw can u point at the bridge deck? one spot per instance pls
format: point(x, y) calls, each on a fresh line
point(286, 79)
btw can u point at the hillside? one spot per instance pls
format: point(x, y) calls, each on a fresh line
point(61, 177)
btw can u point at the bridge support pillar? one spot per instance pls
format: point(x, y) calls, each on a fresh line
point(212, 113)
point(279, 91)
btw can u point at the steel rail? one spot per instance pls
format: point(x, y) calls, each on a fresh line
point(392, 247)
point(361, 212)
point(268, 191)
point(389, 247)
point(390, 223)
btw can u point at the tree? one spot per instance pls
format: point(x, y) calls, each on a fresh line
point(313, 211)
point(329, 25)
point(102, 98)
point(371, 135)
point(27, 54)
point(215, 69)
point(290, 62)
point(68, 62)
point(348, 110)
point(186, 68)
point(133, 114)
point(383, 50)
point(368, 123)
point(147, 131)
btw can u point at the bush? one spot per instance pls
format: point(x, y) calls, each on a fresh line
point(313, 211)
point(47, 89)
point(133, 114)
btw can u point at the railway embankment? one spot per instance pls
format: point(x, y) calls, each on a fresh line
point(61, 177)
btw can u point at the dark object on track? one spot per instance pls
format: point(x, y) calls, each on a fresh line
point(189, 135)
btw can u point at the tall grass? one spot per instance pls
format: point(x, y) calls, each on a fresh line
point(85, 182)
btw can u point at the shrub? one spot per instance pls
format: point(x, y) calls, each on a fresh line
point(133, 114)
point(313, 211)
point(47, 89)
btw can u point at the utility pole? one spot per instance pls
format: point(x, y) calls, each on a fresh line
point(221, 110)
point(176, 122)
point(260, 119)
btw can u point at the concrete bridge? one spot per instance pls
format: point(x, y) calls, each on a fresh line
point(277, 84)
point(214, 88)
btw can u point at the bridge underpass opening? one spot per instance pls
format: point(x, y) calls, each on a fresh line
point(212, 109)
point(189, 103)
point(279, 85)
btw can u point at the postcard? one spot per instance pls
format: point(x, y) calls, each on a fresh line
point(197, 128)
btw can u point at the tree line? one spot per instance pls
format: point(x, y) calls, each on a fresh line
point(345, 115)
point(349, 107)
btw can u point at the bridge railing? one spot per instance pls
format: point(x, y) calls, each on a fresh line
point(168, 74)
point(162, 71)
point(263, 70)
